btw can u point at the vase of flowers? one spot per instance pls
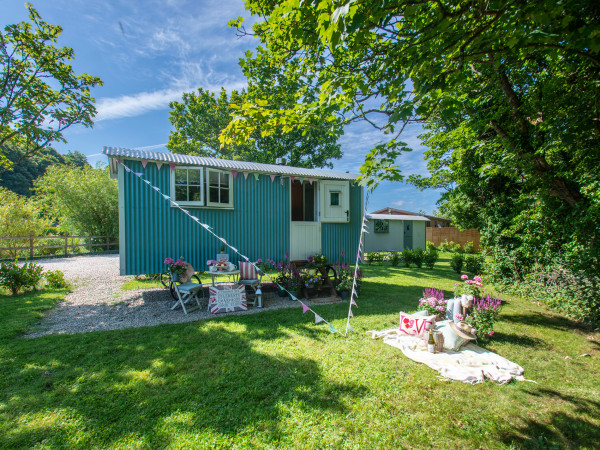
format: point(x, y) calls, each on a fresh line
point(176, 268)
point(485, 313)
point(468, 290)
point(433, 302)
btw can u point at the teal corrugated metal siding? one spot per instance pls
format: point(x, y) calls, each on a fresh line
point(336, 237)
point(258, 226)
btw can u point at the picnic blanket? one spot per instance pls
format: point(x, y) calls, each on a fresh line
point(472, 364)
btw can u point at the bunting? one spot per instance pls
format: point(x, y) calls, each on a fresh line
point(305, 308)
point(272, 177)
point(159, 164)
point(245, 175)
point(144, 162)
point(256, 175)
point(172, 166)
point(234, 173)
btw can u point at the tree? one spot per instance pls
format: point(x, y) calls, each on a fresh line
point(19, 216)
point(20, 178)
point(509, 92)
point(40, 94)
point(200, 117)
point(81, 199)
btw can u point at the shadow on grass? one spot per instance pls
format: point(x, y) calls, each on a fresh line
point(547, 320)
point(566, 429)
point(520, 340)
point(147, 382)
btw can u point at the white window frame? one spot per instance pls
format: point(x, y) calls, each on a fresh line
point(219, 204)
point(188, 203)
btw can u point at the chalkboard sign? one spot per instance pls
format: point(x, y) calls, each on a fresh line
point(227, 299)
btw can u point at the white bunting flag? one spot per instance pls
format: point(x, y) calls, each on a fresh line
point(156, 189)
point(147, 182)
point(318, 319)
point(166, 197)
point(349, 328)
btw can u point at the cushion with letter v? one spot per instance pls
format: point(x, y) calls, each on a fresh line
point(414, 324)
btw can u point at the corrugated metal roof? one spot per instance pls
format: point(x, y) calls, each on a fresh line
point(396, 217)
point(227, 164)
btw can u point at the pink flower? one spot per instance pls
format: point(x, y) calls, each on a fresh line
point(343, 253)
point(458, 316)
point(259, 260)
point(478, 284)
point(464, 277)
point(478, 278)
point(491, 333)
point(287, 255)
point(169, 261)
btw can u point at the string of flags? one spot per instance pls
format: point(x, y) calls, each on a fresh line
point(305, 307)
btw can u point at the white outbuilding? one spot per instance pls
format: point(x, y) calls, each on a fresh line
point(394, 232)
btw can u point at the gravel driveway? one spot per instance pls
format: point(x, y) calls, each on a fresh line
point(98, 302)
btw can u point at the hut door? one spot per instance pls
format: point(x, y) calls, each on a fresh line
point(408, 234)
point(305, 232)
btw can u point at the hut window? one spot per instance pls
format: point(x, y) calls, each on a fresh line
point(187, 186)
point(218, 189)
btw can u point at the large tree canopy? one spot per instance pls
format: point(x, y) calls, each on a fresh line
point(200, 117)
point(509, 92)
point(40, 94)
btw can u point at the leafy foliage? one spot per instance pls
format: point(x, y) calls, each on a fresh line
point(418, 256)
point(25, 170)
point(474, 264)
point(199, 118)
point(82, 199)
point(55, 279)
point(457, 261)
point(19, 217)
point(15, 277)
point(430, 257)
point(40, 94)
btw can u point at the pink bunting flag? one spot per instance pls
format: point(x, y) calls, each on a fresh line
point(318, 319)
point(305, 308)
point(159, 164)
point(272, 177)
point(292, 178)
point(118, 161)
point(127, 169)
point(144, 162)
point(234, 249)
point(310, 180)
point(352, 302)
point(234, 173)
point(245, 175)
point(172, 166)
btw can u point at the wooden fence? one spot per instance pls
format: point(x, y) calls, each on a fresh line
point(439, 235)
point(25, 245)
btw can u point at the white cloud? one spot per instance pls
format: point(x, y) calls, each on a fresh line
point(398, 203)
point(134, 105)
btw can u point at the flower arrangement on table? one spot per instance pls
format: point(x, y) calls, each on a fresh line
point(176, 268)
point(312, 280)
point(433, 302)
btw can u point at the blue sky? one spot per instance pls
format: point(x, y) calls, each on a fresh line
point(149, 52)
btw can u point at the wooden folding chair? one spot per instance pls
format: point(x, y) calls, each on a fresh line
point(187, 293)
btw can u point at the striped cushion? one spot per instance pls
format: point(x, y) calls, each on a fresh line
point(247, 271)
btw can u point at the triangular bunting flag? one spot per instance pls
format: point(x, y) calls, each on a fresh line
point(144, 162)
point(245, 175)
point(292, 178)
point(234, 173)
point(272, 177)
point(159, 164)
point(281, 181)
point(205, 226)
point(127, 169)
point(223, 241)
point(349, 328)
point(166, 197)
point(245, 257)
point(352, 302)
point(185, 211)
point(350, 314)
point(294, 299)
point(138, 174)
point(301, 180)
point(147, 182)
point(256, 175)
point(310, 180)
point(304, 308)
point(172, 166)
point(333, 330)
point(318, 319)
point(118, 161)
point(156, 189)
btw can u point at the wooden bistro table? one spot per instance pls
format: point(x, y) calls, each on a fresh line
point(329, 276)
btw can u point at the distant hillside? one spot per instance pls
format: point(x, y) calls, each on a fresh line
point(20, 178)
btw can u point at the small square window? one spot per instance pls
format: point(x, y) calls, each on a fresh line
point(219, 188)
point(187, 185)
point(334, 198)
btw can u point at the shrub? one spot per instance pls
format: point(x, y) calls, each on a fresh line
point(444, 246)
point(430, 246)
point(457, 262)
point(474, 264)
point(455, 247)
point(55, 279)
point(395, 258)
point(430, 258)
point(15, 277)
point(407, 257)
point(418, 256)
point(370, 257)
point(469, 247)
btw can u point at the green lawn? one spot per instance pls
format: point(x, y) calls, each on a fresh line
point(277, 380)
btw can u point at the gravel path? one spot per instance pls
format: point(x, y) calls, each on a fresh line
point(98, 302)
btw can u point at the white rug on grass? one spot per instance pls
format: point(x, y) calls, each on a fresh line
point(472, 364)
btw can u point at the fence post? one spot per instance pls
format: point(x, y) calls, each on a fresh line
point(90, 243)
point(66, 245)
point(31, 244)
point(107, 243)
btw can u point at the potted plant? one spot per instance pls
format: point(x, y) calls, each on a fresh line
point(343, 288)
point(319, 260)
point(468, 290)
point(176, 268)
point(433, 302)
point(312, 281)
point(295, 283)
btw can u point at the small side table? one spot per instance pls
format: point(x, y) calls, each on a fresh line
point(232, 273)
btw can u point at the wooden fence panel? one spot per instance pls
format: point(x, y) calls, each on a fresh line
point(439, 235)
point(24, 246)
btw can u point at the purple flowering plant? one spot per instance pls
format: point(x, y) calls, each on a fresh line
point(485, 313)
point(433, 301)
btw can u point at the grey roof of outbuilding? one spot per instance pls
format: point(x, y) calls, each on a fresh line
point(242, 166)
point(396, 217)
